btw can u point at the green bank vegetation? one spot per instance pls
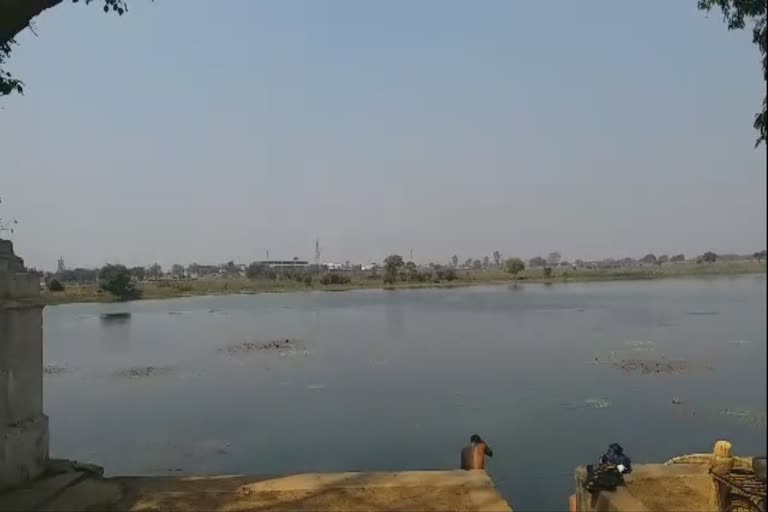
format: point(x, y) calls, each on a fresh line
point(395, 274)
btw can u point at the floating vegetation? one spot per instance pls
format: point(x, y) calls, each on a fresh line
point(703, 313)
point(677, 401)
point(753, 419)
point(145, 371)
point(739, 342)
point(591, 403)
point(286, 346)
point(597, 403)
point(660, 366)
point(639, 343)
point(55, 369)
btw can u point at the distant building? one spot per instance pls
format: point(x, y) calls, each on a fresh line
point(278, 264)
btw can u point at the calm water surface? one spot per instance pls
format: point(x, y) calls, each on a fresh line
point(396, 380)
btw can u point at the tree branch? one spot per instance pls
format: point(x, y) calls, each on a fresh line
point(15, 15)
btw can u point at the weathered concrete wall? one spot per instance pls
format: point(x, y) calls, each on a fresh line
point(23, 426)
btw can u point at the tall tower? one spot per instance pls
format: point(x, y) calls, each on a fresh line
point(317, 252)
point(60, 265)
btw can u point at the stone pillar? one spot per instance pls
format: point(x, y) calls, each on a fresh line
point(722, 464)
point(23, 426)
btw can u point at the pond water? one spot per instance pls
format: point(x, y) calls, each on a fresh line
point(397, 380)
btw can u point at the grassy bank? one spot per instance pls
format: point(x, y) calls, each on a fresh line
point(170, 289)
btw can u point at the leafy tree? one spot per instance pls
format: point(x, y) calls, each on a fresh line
point(547, 272)
point(258, 270)
point(177, 271)
point(455, 260)
point(677, 258)
point(486, 262)
point(709, 257)
point(514, 266)
point(54, 285)
point(468, 263)
point(649, 258)
point(759, 255)
point(78, 275)
point(450, 274)
point(477, 264)
point(662, 259)
point(496, 258)
point(737, 13)
point(138, 273)
point(538, 261)
point(392, 264)
point(116, 279)
point(554, 258)
point(155, 271)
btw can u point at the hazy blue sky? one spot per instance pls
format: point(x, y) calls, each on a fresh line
point(199, 130)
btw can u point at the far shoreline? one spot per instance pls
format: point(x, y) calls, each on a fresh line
point(89, 293)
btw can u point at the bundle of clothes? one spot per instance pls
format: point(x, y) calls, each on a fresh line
point(609, 471)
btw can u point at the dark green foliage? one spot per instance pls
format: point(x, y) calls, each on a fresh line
point(138, 273)
point(332, 278)
point(392, 264)
point(538, 261)
point(649, 258)
point(514, 266)
point(709, 257)
point(17, 15)
point(155, 271)
point(677, 258)
point(547, 272)
point(259, 271)
point(78, 275)
point(54, 285)
point(116, 279)
point(737, 13)
point(759, 255)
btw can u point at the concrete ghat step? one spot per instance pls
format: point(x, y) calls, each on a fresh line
point(466, 491)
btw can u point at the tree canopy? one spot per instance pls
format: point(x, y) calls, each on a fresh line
point(514, 266)
point(116, 279)
point(737, 14)
point(16, 15)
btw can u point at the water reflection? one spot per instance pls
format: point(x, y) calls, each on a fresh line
point(115, 332)
point(394, 316)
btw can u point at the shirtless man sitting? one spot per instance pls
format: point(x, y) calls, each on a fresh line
point(473, 455)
